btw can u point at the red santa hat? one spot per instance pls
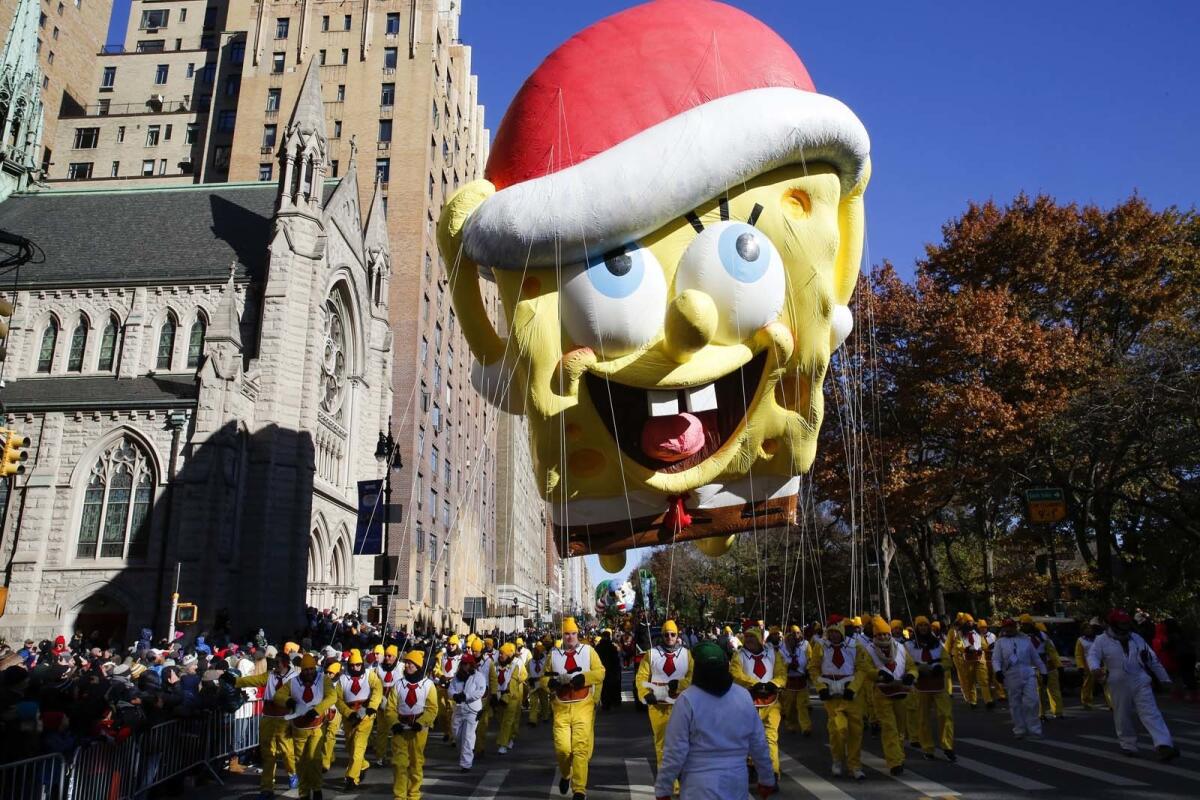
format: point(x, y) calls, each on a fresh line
point(640, 118)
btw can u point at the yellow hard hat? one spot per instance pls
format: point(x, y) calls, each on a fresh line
point(416, 657)
point(1041, 626)
point(773, 629)
point(508, 649)
point(454, 639)
point(477, 646)
point(570, 626)
point(856, 621)
point(670, 627)
point(967, 618)
point(983, 624)
point(291, 648)
point(538, 647)
point(392, 651)
point(921, 620)
point(727, 630)
point(897, 623)
point(1025, 619)
point(489, 642)
point(356, 657)
point(794, 629)
point(333, 669)
point(519, 642)
point(880, 626)
point(308, 661)
point(936, 624)
point(752, 632)
point(378, 650)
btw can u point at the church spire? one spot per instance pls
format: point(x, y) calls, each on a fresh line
point(304, 150)
point(226, 324)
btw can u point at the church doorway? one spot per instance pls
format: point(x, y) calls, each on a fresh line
point(102, 619)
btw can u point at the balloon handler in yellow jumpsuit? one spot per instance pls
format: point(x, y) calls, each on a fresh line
point(506, 685)
point(929, 660)
point(833, 672)
point(760, 669)
point(882, 665)
point(414, 706)
point(359, 693)
point(665, 671)
point(539, 697)
point(274, 739)
point(308, 698)
point(572, 675)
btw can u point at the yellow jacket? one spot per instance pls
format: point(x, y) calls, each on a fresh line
point(643, 675)
point(778, 672)
point(1052, 659)
point(593, 677)
point(516, 682)
point(816, 656)
point(373, 700)
point(438, 673)
point(953, 644)
point(1081, 652)
point(328, 697)
point(427, 716)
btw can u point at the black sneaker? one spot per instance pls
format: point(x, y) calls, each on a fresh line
point(950, 755)
point(928, 756)
point(349, 785)
point(1167, 753)
point(989, 706)
point(579, 796)
point(564, 785)
point(898, 769)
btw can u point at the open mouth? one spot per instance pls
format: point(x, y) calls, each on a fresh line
point(673, 430)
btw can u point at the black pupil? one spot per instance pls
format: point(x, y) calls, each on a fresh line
point(747, 247)
point(619, 264)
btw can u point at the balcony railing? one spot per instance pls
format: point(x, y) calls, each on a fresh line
point(112, 109)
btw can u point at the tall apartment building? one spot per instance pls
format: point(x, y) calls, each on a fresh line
point(521, 524)
point(70, 34)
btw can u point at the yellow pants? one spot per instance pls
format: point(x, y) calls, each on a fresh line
point(973, 678)
point(795, 710)
point(770, 716)
point(1088, 691)
point(408, 764)
point(958, 667)
point(1050, 694)
point(996, 686)
point(329, 732)
point(306, 743)
point(660, 715)
point(445, 717)
point(510, 718)
point(922, 708)
point(381, 735)
point(274, 741)
point(890, 714)
point(481, 727)
point(574, 735)
point(867, 702)
point(357, 734)
point(845, 731)
point(539, 706)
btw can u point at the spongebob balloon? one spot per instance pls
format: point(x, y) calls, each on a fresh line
point(673, 219)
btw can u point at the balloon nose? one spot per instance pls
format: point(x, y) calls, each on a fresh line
point(691, 324)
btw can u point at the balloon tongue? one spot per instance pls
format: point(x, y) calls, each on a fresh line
point(673, 437)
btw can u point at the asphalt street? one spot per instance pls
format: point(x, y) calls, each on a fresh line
point(1077, 759)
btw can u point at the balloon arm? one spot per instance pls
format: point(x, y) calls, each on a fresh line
point(465, 293)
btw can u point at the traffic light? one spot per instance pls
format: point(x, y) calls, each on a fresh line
point(13, 462)
point(6, 311)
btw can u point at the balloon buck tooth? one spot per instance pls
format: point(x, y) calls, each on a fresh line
point(701, 398)
point(662, 404)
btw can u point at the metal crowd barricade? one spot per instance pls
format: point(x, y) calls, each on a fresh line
point(41, 778)
point(232, 734)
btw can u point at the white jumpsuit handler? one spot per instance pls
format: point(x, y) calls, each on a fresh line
point(1016, 664)
point(467, 688)
point(1129, 662)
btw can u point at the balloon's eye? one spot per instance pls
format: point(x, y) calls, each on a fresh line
point(614, 303)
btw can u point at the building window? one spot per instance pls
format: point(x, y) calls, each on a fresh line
point(208, 73)
point(160, 74)
point(232, 84)
point(50, 58)
point(393, 24)
point(346, 22)
point(446, 513)
point(333, 168)
point(424, 350)
point(110, 78)
point(166, 339)
point(115, 170)
point(277, 61)
point(325, 22)
point(436, 114)
point(79, 170)
point(167, 133)
point(189, 133)
point(148, 166)
point(190, 70)
point(226, 120)
point(383, 168)
point(210, 18)
point(341, 92)
point(268, 139)
point(49, 342)
point(237, 51)
point(86, 138)
point(152, 132)
point(345, 56)
point(78, 345)
point(116, 504)
point(337, 129)
point(389, 58)
point(196, 343)
point(154, 19)
point(264, 172)
point(179, 44)
point(273, 96)
point(108, 347)
point(321, 57)
point(281, 27)
point(385, 130)
point(433, 462)
point(387, 94)
point(162, 166)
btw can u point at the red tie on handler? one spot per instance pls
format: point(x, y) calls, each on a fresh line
point(308, 696)
point(414, 706)
point(359, 695)
point(664, 672)
point(274, 737)
point(833, 673)
point(794, 698)
point(573, 673)
point(930, 662)
point(387, 668)
point(761, 670)
point(882, 666)
point(507, 688)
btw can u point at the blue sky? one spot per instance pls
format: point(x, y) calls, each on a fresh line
point(1087, 101)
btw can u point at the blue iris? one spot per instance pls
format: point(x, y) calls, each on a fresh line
point(743, 253)
point(618, 273)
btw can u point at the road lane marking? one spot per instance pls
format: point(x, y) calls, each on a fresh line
point(809, 781)
point(1002, 775)
point(908, 778)
point(1138, 762)
point(1065, 766)
point(487, 788)
point(641, 779)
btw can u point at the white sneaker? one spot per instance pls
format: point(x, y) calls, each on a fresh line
point(502, 750)
point(837, 770)
point(859, 775)
point(512, 745)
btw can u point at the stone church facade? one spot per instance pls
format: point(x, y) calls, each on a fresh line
point(203, 372)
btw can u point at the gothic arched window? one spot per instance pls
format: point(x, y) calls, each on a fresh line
point(78, 345)
point(166, 342)
point(116, 504)
point(108, 346)
point(196, 343)
point(49, 342)
point(333, 363)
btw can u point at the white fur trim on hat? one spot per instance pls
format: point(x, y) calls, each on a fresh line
point(640, 184)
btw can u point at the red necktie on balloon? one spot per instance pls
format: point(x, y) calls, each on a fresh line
point(838, 658)
point(760, 669)
point(410, 697)
point(668, 664)
point(570, 663)
point(308, 693)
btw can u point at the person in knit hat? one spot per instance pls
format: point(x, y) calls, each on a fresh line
point(359, 694)
point(885, 673)
point(414, 707)
point(572, 677)
point(469, 689)
point(506, 685)
point(1017, 666)
point(833, 672)
point(389, 671)
point(539, 697)
point(444, 668)
point(714, 728)
point(1087, 637)
point(760, 668)
point(795, 651)
point(664, 672)
point(308, 696)
point(274, 736)
point(929, 661)
point(968, 652)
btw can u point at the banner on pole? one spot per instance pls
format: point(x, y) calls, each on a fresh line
point(368, 537)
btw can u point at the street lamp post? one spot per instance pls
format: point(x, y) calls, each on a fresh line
point(387, 453)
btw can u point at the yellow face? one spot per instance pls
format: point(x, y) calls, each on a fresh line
point(692, 356)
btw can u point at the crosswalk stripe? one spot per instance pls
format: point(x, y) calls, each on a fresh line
point(1065, 766)
point(909, 779)
point(1136, 762)
point(641, 779)
point(491, 783)
point(1187, 741)
point(809, 781)
point(1192, 722)
point(1002, 775)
